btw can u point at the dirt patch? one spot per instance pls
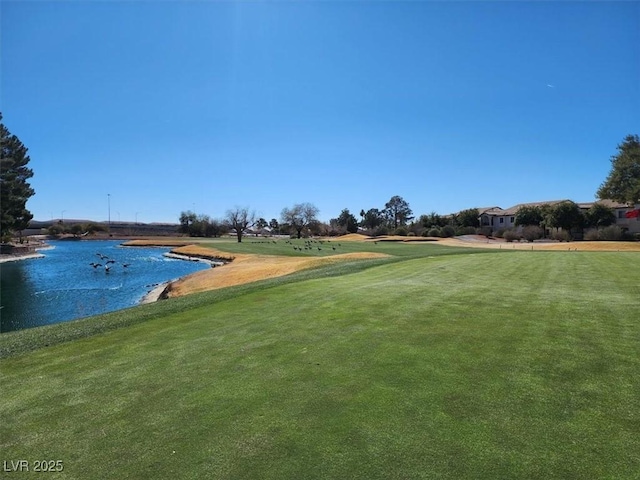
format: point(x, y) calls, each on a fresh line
point(247, 268)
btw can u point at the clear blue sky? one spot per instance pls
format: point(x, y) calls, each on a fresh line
point(176, 105)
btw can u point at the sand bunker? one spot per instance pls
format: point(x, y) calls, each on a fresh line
point(353, 237)
point(247, 268)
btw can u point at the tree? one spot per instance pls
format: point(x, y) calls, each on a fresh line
point(299, 217)
point(469, 218)
point(261, 223)
point(347, 221)
point(397, 211)
point(623, 182)
point(599, 216)
point(76, 229)
point(529, 215)
point(566, 215)
point(274, 226)
point(432, 220)
point(372, 219)
point(187, 219)
point(240, 219)
point(14, 188)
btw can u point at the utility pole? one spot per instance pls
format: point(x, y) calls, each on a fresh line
point(109, 209)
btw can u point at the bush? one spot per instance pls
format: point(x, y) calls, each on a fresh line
point(486, 231)
point(402, 231)
point(532, 232)
point(500, 233)
point(447, 231)
point(561, 235)
point(411, 234)
point(55, 230)
point(610, 233)
point(381, 230)
point(434, 232)
point(511, 235)
point(592, 235)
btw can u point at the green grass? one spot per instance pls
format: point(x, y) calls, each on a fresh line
point(332, 247)
point(518, 365)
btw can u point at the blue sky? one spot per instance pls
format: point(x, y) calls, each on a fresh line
point(166, 106)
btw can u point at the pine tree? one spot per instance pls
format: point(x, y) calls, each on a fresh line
point(623, 182)
point(14, 188)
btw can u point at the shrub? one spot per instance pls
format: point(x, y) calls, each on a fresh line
point(381, 230)
point(500, 233)
point(447, 231)
point(592, 235)
point(486, 231)
point(411, 234)
point(434, 232)
point(55, 230)
point(531, 233)
point(511, 235)
point(610, 233)
point(402, 231)
point(561, 235)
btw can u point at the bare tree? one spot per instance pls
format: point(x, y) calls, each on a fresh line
point(300, 216)
point(240, 219)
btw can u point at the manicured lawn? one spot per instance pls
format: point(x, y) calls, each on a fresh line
point(517, 365)
point(332, 247)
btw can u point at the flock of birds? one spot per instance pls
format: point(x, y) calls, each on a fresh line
point(308, 245)
point(107, 264)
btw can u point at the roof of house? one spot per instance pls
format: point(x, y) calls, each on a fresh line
point(500, 212)
point(605, 202)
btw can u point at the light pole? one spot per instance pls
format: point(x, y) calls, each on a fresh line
point(109, 209)
point(62, 216)
point(137, 217)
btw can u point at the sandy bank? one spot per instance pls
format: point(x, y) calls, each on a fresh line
point(250, 268)
point(156, 294)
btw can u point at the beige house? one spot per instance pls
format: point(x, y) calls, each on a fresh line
point(504, 219)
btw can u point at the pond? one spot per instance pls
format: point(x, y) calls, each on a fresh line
point(63, 285)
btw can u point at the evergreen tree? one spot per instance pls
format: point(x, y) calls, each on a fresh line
point(397, 211)
point(623, 182)
point(14, 188)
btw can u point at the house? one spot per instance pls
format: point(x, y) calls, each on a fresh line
point(503, 219)
point(620, 210)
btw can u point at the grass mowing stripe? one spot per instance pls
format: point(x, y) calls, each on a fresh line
point(449, 367)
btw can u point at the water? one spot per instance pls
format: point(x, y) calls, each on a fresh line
point(63, 286)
